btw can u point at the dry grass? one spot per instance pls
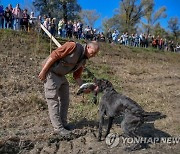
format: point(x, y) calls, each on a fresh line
point(150, 78)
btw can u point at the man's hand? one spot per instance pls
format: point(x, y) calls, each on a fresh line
point(42, 75)
point(96, 89)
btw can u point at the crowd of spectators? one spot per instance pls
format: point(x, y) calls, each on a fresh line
point(71, 29)
point(144, 40)
point(15, 18)
point(19, 19)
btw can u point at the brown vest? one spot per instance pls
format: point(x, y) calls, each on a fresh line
point(71, 62)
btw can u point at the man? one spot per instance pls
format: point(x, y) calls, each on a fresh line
point(70, 57)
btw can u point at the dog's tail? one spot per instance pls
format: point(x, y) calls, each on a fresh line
point(146, 114)
point(152, 116)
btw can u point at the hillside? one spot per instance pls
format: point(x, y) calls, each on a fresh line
point(148, 76)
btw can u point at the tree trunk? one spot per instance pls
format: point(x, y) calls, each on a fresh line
point(65, 11)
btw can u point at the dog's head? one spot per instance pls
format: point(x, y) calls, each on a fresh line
point(103, 84)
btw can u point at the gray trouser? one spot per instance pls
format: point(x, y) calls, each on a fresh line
point(57, 97)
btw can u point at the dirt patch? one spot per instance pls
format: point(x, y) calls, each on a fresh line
point(151, 79)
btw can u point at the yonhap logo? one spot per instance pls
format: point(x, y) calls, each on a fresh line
point(112, 140)
point(151, 140)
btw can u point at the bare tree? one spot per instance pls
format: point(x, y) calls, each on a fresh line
point(111, 24)
point(29, 5)
point(89, 17)
point(133, 12)
point(129, 14)
point(173, 25)
point(152, 16)
point(159, 31)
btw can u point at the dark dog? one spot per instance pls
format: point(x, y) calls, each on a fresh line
point(114, 104)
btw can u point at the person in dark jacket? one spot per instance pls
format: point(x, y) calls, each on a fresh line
point(25, 20)
point(8, 18)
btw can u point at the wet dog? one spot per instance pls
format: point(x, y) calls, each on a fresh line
point(113, 104)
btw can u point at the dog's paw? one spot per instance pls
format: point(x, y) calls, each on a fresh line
point(133, 147)
point(99, 139)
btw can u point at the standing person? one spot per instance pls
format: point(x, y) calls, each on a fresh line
point(109, 36)
point(165, 45)
point(115, 36)
point(25, 20)
point(80, 29)
point(53, 26)
point(126, 39)
point(17, 14)
point(87, 32)
point(32, 21)
point(46, 23)
point(7, 17)
point(60, 27)
point(161, 42)
point(69, 29)
point(75, 30)
point(1, 17)
point(12, 18)
point(70, 57)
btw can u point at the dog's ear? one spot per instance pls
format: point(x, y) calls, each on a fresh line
point(100, 81)
point(108, 83)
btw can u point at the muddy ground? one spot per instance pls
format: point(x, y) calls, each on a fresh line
point(150, 78)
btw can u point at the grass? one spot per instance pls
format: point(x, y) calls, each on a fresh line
point(79, 111)
point(137, 72)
